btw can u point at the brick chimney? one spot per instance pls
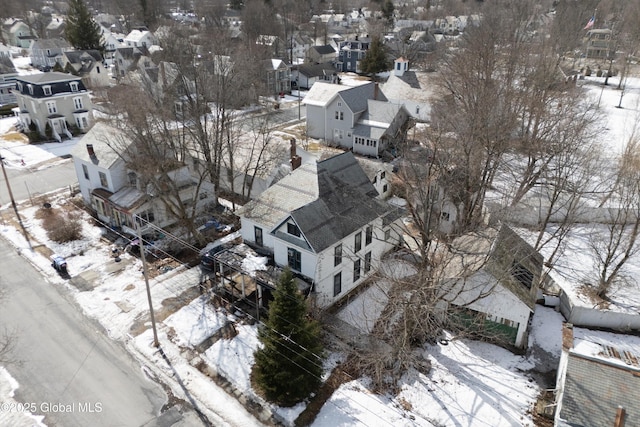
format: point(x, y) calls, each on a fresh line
point(295, 160)
point(620, 416)
point(90, 150)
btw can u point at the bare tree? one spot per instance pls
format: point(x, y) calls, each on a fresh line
point(8, 338)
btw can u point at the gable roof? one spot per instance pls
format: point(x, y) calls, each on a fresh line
point(316, 70)
point(328, 200)
point(6, 65)
point(495, 251)
point(326, 49)
point(50, 44)
point(321, 94)
point(340, 210)
point(99, 136)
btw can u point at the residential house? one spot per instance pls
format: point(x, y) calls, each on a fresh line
point(324, 222)
point(115, 193)
point(358, 118)
point(8, 75)
point(126, 59)
point(55, 28)
point(599, 44)
point(490, 280)
point(321, 54)
point(140, 38)
point(17, 33)
point(598, 379)
point(411, 89)
point(111, 41)
point(277, 77)
point(449, 25)
point(299, 45)
point(89, 65)
point(351, 52)
point(305, 75)
point(53, 101)
point(48, 52)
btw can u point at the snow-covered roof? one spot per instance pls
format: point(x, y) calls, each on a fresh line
point(99, 137)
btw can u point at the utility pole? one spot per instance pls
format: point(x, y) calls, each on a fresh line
point(137, 220)
point(13, 203)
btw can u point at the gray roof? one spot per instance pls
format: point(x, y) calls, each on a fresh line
point(100, 136)
point(381, 113)
point(51, 44)
point(324, 50)
point(50, 77)
point(328, 200)
point(594, 389)
point(357, 97)
point(340, 210)
point(6, 65)
point(368, 131)
point(316, 70)
point(77, 56)
point(128, 198)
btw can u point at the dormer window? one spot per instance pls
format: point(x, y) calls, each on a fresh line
point(30, 90)
point(47, 90)
point(73, 86)
point(293, 229)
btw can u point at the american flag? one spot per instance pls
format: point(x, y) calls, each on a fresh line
point(590, 23)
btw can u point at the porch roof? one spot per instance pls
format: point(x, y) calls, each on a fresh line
point(128, 198)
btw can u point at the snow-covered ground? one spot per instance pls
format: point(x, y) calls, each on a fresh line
point(12, 412)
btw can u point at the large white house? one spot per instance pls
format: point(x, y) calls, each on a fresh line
point(358, 118)
point(52, 101)
point(324, 220)
point(115, 193)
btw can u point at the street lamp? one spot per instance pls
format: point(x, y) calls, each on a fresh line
point(13, 203)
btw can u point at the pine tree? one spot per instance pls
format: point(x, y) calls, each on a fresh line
point(289, 365)
point(375, 60)
point(81, 30)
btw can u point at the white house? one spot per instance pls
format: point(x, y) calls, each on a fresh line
point(140, 38)
point(46, 52)
point(115, 193)
point(359, 118)
point(89, 65)
point(325, 222)
point(492, 276)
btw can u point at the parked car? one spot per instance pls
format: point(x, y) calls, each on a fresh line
point(206, 261)
point(59, 263)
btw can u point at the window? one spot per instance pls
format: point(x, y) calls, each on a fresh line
point(521, 274)
point(293, 229)
point(47, 90)
point(367, 262)
point(337, 115)
point(385, 188)
point(103, 180)
point(387, 235)
point(294, 258)
point(444, 216)
point(258, 235)
point(339, 104)
point(132, 178)
point(337, 255)
point(30, 90)
point(383, 175)
point(51, 107)
point(146, 216)
point(337, 284)
point(348, 54)
point(368, 235)
point(357, 244)
point(356, 270)
point(85, 171)
point(77, 102)
point(73, 86)
point(98, 70)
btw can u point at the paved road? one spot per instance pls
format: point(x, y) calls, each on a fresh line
point(34, 181)
point(66, 360)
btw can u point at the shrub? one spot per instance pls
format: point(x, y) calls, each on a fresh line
point(61, 228)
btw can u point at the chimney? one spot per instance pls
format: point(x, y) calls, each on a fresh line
point(90, 150)
point(296, 160)
point(375, 90)
point(620, 415)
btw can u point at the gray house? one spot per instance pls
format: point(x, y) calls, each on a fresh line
point(306, 75)
point(358, 118)
point(46, 52)
point(8, 76)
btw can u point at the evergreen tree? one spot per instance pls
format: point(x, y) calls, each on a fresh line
point(375, 60)
point(289, 366)
point(81, 30)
